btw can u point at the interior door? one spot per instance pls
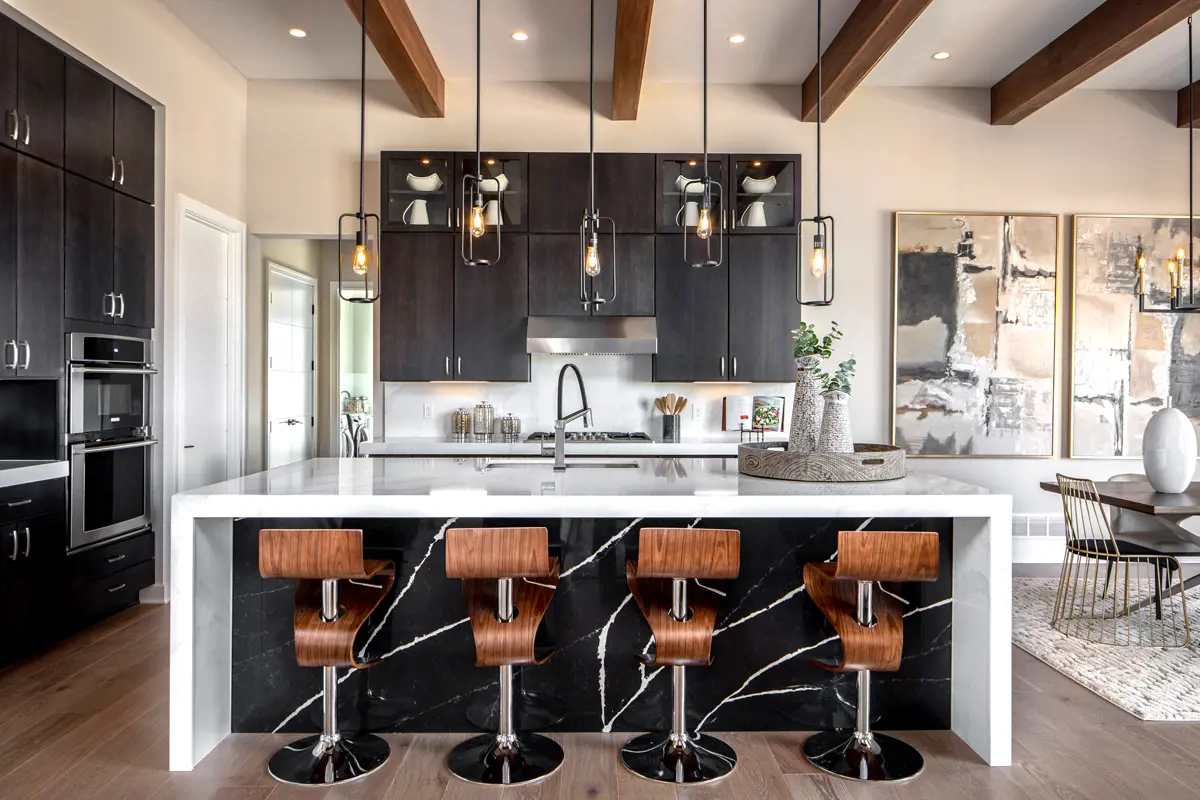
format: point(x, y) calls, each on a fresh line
point(291, 375)
point(204, 390)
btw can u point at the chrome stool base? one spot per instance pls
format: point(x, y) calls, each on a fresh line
point(700, 758)
point(884, 759)
point(323, 761)
point(483, 759)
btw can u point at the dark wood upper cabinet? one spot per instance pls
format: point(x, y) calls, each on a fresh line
point(677, 193)
point(491, 308)
point(762, 308)
point(416, 307)
point(558, 191)
point(764, 193)
point(505, 190)
point(41, 91)
point(8, 82)
point(133, 145)
point(8, 259)
point(554, 275)
point(418, 192)
point(88, 238)
point(89, 124)
point(133, 262)
point(692, 307)
point(40, 268)
point(634, 276)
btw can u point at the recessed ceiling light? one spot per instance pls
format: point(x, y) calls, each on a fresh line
point(757, 164)
point(299, 33)
point(691, 163)
point(491, 161)
point(737, 38)
point(424, 160)
point(519, 36)
point(941, 55)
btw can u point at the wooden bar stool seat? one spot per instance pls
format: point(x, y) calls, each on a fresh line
point(336, 591)
point(681, 617)
point(508, 580)
point(871, 627)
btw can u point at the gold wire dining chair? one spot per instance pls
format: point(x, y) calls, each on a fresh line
point(1112, 591)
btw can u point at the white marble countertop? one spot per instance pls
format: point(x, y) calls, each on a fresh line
point(723, 445)
point(19, 473)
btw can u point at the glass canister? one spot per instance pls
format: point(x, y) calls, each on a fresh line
point(484, 419)
point(460, 423)
point(510, 426)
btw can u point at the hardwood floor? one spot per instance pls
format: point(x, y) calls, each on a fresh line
point(88, 719)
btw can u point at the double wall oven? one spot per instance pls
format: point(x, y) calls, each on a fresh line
point(110, 437)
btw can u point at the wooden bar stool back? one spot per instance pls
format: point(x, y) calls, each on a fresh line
point(871, 627)
point(668, 581)
point(336, 591)
point(508, 580)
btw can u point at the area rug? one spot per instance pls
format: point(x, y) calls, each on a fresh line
point(1150, 683)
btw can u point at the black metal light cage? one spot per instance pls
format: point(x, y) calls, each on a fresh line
point(708, 187)
point(472, 188)
point(823, 224)
point(1176, 303)
point(593, 227)
point(362, 234)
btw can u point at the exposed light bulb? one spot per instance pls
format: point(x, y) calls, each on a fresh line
point(818, 263)
point(1173, 269)
point(362, 260)
point(704, 224)
point(478, 226)
point(591, 264)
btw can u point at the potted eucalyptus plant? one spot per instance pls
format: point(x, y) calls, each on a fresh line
point(835, 412)
point(809, 349)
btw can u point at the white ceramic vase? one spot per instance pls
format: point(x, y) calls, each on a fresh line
point(806, 407)
point(835, 424)
point(1169, 451)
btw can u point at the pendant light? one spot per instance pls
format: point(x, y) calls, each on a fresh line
point(591, 260)
point(474, 223)
point(707, 227)
point(1179, 302)
point(364, 263)
point(820, 263)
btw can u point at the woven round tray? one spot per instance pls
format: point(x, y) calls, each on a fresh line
point(868, 462)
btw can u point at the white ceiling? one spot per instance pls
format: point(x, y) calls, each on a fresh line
point(987, 39)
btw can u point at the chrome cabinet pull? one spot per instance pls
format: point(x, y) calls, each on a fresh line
point(13, 363)
point(121, 180)
point(121, 313)
point(722, 366)
point(735, 366)
point(24, 502)
point(28, 350)
point(27, 538)
point(113, 297)
point(13, 533)
point(16, 128)
point(115, 559)
point(447, 366)
point(112, 177)
point(116, 588)
point(28, 129)
point(460, 365)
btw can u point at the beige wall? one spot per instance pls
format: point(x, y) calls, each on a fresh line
point(885, 150)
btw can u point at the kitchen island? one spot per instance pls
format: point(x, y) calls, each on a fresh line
point(233, 669)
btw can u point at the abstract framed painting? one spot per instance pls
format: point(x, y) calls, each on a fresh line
point(1126, 363)
point(974, 345)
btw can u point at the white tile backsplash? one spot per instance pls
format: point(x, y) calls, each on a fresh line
point(619, 389)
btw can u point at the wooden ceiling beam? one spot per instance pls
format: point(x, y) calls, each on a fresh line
point(1099, 40)
point(870, 31)
point(1185, 106)
point(629, 58)
point(399, 42)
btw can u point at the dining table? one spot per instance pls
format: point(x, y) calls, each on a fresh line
point(1140, 496)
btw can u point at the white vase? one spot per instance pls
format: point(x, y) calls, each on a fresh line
point(806, 407)
point(835, 424)
point(1169, 451)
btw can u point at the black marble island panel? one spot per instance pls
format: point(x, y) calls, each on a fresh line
point(760, 679)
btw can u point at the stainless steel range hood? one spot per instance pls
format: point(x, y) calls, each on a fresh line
point(621, 336)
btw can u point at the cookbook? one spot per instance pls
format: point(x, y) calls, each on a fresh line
point(758, 413)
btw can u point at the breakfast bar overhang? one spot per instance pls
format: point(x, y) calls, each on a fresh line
point(435, 492)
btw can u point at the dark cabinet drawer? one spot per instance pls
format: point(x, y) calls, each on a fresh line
point(33, 499)
point(106, 597)
point(101, 562)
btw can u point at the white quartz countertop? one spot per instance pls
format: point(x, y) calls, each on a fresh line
point(717, 446)
point(430, 487)
point(19, 473)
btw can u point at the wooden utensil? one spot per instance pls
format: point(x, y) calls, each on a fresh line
point(661, 404)
point(671, 403)
point(680, 406)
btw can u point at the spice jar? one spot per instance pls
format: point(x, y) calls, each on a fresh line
point(484, 419)
point(460, 423)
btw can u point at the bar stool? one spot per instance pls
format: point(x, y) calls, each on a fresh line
point(508, 580)
point(872, 631)
point(683, 630)
point(328, 617)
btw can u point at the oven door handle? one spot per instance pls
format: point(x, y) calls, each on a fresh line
point(115, 370)
point(104, 448)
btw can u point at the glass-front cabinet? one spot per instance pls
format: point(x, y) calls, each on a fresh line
point(680, 193)
point(765, 193)
point(505, 194)
point(418, 192)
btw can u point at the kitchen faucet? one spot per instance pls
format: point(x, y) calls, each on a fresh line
point(560, 424)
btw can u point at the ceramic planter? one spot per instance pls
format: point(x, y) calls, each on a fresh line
point(835, 424)
point(1169, 451)
point(806, 407)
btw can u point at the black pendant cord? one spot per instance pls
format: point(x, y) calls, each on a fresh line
point(820, 107)
point(1191, 169)
point(478, 91)
point(592, 110)
point(362, 126)
point(704, 78)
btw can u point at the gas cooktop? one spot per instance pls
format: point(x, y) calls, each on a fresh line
point(600, 437)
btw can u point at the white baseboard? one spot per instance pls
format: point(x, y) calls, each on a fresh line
point(154, 595)
point(1038, 538)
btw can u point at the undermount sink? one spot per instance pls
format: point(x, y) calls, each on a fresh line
point(580, 463)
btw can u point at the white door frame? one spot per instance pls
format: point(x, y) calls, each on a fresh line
point(299, 277)
point(188, 210)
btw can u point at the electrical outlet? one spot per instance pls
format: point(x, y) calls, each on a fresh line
point(695, 410)
point(429, 411)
